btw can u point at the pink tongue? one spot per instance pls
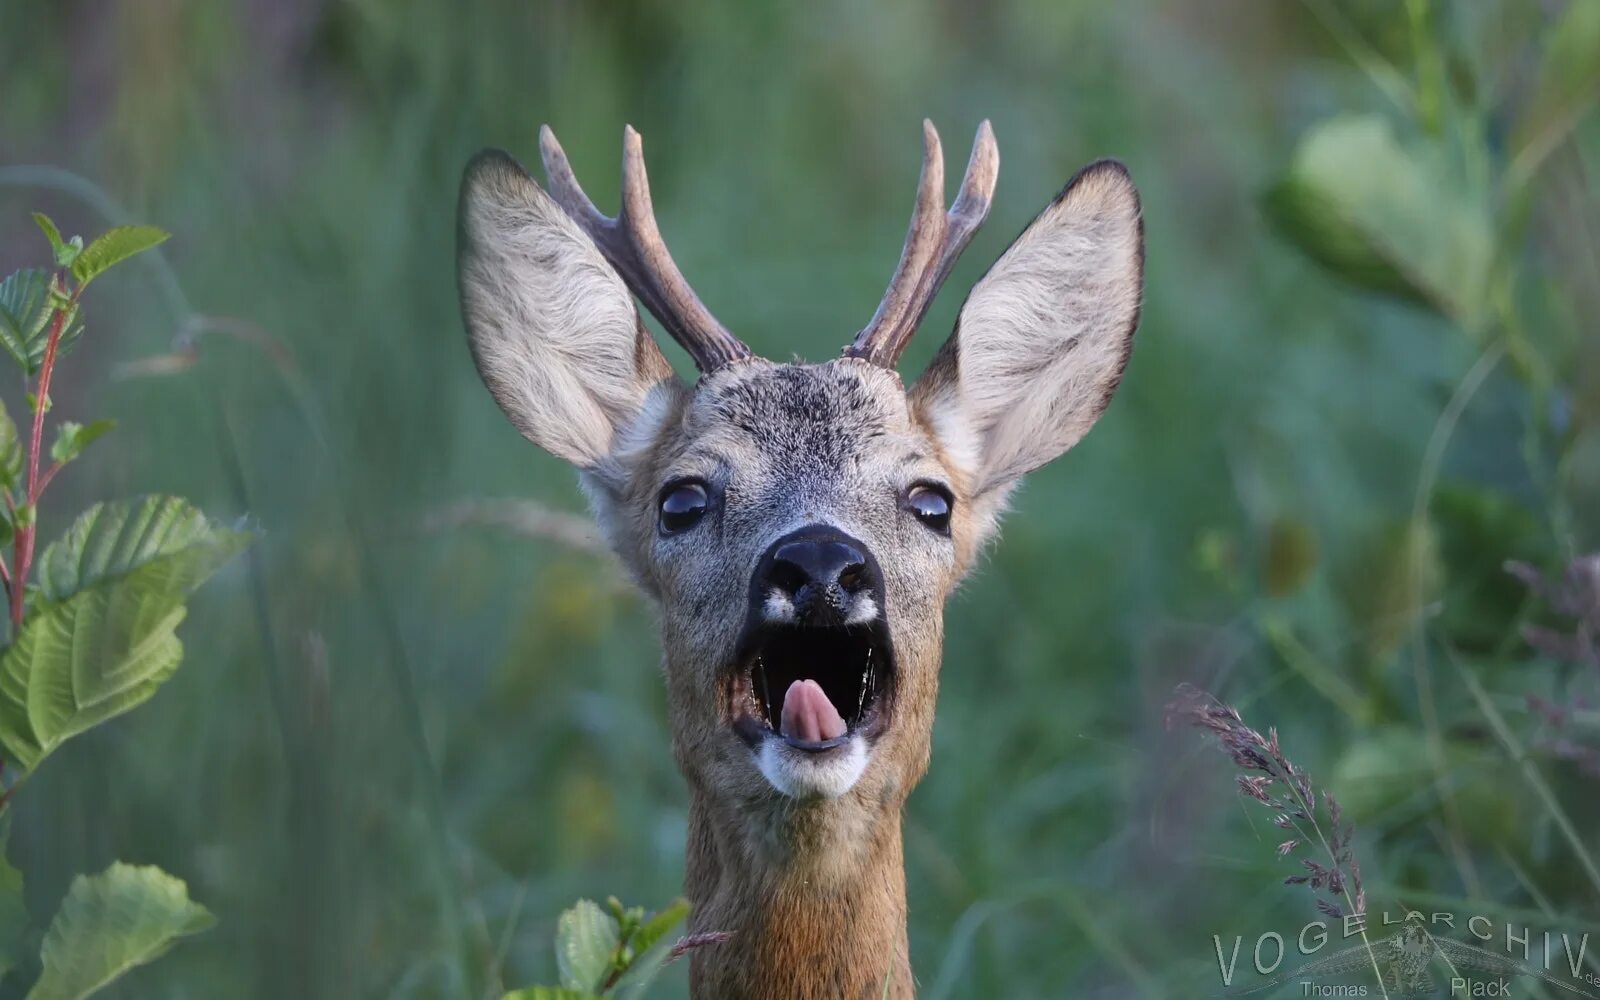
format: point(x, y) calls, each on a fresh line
point(808, 714)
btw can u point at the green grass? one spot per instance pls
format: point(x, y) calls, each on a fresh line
point(393, 755)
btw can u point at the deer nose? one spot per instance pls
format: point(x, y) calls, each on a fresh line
point(818, 573)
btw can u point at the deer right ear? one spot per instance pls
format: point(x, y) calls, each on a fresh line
point(1042, 340)
point(553, 328)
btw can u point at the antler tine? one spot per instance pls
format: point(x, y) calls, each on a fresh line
point(922, 241)
point(934, 242)
point(706, 340)
point(632, 244)
point(566, 190)
point(972, 202)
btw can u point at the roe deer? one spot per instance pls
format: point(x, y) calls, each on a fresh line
point(800, 525)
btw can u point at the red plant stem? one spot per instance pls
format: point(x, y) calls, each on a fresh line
point(5, 570)
point(49, 474)
point(26, 533)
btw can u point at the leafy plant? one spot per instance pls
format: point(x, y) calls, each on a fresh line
point(1433, 200)
point(615, 951)
point(92, 625)
point(1406, 219)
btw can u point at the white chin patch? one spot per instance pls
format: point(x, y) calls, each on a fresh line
point(801, 774)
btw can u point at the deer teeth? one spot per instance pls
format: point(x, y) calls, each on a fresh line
point(866, 682)
point(766, 696)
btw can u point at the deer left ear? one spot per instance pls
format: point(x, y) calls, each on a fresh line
point(551, 324)
point(1042, 341)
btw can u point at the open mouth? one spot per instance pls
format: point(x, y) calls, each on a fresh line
point(813, 686)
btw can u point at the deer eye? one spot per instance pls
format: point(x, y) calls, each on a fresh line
point(683, 504)
point(931, 505)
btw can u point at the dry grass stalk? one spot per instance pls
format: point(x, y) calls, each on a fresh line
point(521, 517)
point(1273, 780)
point(694, 942)
point(1575, 596)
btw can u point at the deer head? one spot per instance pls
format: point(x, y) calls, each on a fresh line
point(800, 525)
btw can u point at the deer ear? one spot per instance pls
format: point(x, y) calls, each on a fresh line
point(553, 328)
point(1041, 342)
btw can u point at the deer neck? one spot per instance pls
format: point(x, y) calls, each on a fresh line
point(814, 893)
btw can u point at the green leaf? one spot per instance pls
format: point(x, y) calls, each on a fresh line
point(39, 705)
point(26, 308)
point(113, 247)
point(549, 993)
point(102, 638)
point(58, 247)
point(659, 926)
point(586, 937)
point(112, 539)
point(72, 438)
point(646, 947)
point(110, 923)
point(1389, 772)
point(65, 251)
point(1404, 220)
point(628, 918)
point(50, 231)
point(10, 451)
point(24, 312)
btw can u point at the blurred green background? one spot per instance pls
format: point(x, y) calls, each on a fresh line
point(1367, 374)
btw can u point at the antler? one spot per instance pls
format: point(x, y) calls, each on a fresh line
point(935, 240)
point(633, 245)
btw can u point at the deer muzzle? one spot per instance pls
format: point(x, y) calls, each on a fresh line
point(809, 689)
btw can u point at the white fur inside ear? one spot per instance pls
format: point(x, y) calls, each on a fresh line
point(553, 328)
point(1043, 338)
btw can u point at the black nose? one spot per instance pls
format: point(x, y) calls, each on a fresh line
point(817, 570)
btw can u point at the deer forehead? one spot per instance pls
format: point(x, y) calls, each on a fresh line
point(829, 422)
